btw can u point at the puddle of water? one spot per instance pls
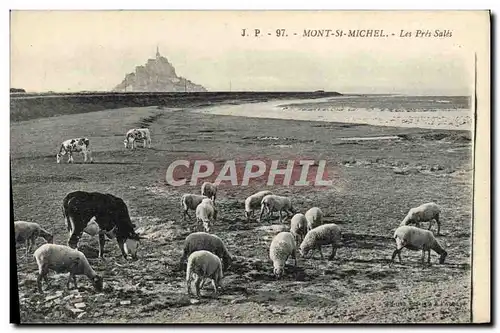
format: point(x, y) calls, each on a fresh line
point(389, 137)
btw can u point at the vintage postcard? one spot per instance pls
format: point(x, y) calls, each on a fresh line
point(250, 167)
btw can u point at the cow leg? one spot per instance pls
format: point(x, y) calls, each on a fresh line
point(102, 240)
point(84, 157)
point(149, 142)
point(74, 237)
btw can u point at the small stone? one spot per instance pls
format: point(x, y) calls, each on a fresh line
point(79, 305)
point(125, 302)
point(109, 312)
point(81, 315)
point(194, 301)
point(51, 297)
point(237, 300)
point(78, 299)
point(75, 310)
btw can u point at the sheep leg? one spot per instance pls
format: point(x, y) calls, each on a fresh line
point(397, 252)
point(42, 274)
point(320, 252)
point(334, 251)
point(438, 224)
point(294, 256)
point(102, 240)
point(27, 245)
point(261, 213)
point(429, 257)
point(423, 257)
point(70, 277)
point(188, 284)
point(216, 290)
point(202, 284)
point(197, 282)
point(281, 218)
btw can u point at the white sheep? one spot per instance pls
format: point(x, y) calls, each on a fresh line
point(209, 190)
point(93, 229)
point(325, 234)
point(416, 239)
point(298, 227)
point(273, 203)
point(314, 217)
point(424, 213)
point(197, 241)
point(28, 232)
point(190, 202)
point(253, 202)
point(282, 246)
point(206, 213)
point(204, 265)
point(62, 259)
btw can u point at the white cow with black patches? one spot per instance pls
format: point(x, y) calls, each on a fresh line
point(75, 145)
point(137, 134)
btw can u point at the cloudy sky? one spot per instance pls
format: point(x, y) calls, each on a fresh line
point(74, 51)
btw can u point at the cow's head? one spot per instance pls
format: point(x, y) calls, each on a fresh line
point(132, 245)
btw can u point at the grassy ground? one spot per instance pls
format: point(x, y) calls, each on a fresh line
point(368, 200)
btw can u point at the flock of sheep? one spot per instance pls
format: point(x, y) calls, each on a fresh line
point(206, 253)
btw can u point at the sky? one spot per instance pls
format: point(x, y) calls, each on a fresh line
point(68, 51)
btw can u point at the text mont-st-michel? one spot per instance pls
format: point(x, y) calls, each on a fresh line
point(349, 33)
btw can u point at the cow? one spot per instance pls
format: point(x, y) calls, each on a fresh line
point(137, 134)
point(110, 213)
point(75, 145)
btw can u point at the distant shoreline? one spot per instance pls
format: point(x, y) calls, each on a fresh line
point(459, 119)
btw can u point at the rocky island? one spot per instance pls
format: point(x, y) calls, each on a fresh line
point(157, 75)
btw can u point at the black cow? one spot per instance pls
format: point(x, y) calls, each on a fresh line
point(111, 214)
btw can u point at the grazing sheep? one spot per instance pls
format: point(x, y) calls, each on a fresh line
point(298, 227)
point(205, 213)
point(416, 239)
point(209, 190)
point(93, 229)
point(424, 213)
point(198, 241)
point(28, 232)
point(282, 246)
point(314, 217)
point(62, 259)
point(253, 202)
point(190, 202)
point(203, 264)
point(273, 203)
point(323, 235)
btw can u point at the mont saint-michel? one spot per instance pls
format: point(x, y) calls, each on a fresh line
point(157, 75)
